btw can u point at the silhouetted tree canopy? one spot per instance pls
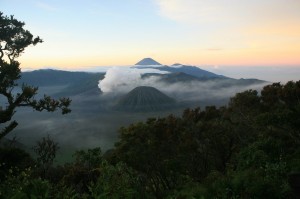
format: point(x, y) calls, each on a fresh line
point(13, 41)
point(248, 149)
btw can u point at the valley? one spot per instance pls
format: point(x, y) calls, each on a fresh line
point(98, 115)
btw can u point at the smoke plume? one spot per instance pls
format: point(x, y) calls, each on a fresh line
point(122, 80)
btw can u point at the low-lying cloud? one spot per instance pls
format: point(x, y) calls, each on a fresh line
point(121, 81)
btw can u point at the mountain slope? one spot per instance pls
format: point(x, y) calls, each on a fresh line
point(177, 68)
point(144, 98)
point(192, 70)
point(147, 61)
point(172, 77)
point(64, 83)
point(49, 77)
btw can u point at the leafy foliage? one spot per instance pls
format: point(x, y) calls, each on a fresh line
point(252, 145)
point(45, 150)
point(13, 41)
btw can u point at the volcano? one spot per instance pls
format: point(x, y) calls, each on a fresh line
point(145, 98)
point(148, 62)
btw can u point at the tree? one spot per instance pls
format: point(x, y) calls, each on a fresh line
point(45, 150)
point(13, 41)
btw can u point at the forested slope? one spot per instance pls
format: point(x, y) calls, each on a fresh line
point(248, 149)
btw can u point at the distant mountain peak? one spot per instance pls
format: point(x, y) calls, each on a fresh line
point(148, 61)
point(177, 64)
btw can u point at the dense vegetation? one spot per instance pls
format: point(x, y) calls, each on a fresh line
point(248, 149)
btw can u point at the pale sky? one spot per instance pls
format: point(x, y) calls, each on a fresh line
point(87, 33)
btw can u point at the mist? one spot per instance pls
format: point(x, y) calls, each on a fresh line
point(118, 80)
point(122, 80)
point(94, 122)
point(281, 74)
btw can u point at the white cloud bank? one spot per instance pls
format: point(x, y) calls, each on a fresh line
point(120, 80)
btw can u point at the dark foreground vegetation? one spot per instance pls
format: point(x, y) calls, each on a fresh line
point(248, 149)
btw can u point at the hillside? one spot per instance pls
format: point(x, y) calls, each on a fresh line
point(147, 61)
point(144, 98)
point(64, 83)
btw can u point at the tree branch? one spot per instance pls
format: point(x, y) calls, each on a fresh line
point(8, 129)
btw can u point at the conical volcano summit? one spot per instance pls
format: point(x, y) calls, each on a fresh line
point(147, 61)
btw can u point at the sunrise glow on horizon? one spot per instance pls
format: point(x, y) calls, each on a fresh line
point(195, 32)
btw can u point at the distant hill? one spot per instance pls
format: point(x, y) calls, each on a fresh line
point(49, 77)
point(238, 82)
point(147, 61)
point(81, 86)
point(177, 68)
point(221, 82)
point(191, 70)
point(72, 83)
point(144, 98)
point(184, 73)
point(172, 77)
